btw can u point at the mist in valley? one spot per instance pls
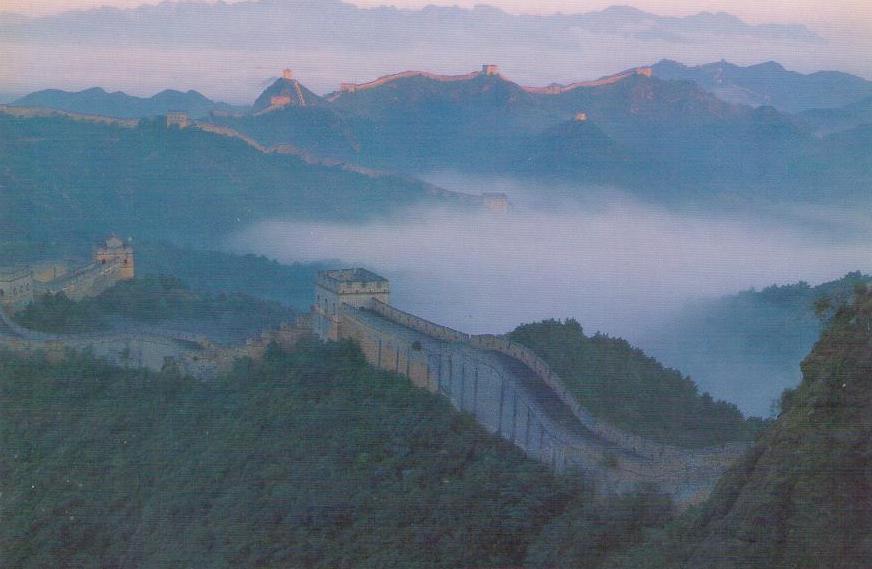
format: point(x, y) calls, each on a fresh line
point(617, 265)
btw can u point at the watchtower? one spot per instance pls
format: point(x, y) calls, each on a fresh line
point(490, 70)
point(496, 202)
point(177, 118)
point(355, 288)
point(118, 254)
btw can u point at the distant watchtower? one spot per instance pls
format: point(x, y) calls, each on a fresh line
point(496, 202)
point(118, 254)
point(352, 287)
point(178, 119)
point(490, 70)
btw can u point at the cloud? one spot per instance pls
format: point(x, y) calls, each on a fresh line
point(616, 265)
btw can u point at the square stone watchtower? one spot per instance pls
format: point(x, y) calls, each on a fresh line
point(116, 253)
point(178, 119)
point(352, 287)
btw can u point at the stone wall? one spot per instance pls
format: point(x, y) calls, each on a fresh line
point(90, 280)
point(476, 382)
point(613, 457)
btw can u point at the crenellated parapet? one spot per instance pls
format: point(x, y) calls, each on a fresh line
point(513, 392)
point(489, 70)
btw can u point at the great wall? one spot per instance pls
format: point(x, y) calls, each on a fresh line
point(149, 347)
point(506, 387)
point(487, 70)
point(509, 390)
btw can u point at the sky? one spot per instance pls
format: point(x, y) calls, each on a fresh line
point(855, 14)
point(236, 71)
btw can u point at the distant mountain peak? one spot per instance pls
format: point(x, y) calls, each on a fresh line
point(285, 91)
point(769, 83)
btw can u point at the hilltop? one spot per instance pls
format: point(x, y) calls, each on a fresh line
point(285, 91)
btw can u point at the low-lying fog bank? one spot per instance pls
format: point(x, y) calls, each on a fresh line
point(616, 265)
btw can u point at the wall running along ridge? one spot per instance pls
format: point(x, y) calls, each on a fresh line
point(514, 393)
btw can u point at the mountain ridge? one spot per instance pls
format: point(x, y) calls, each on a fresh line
point(770, 83)
point(98, 101)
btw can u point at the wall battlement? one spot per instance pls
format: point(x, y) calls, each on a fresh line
point(490, 70)
point(112, 262)
point(557, 89)
point(487, 375)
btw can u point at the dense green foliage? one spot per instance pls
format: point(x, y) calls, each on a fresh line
point(747, 347)
point(312, 459)
point(154, 299)
point(800, 498)
point(589, 533)
point(619, 383)
point(67, 180)
point(225, 272)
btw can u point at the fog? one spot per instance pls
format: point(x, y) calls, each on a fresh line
point(616, 264)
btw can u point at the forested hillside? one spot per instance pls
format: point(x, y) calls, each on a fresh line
point(800, 498)
point(157, 300)
point(312, 459)
point(69, 180)
point(221, 272)
point(620, 384)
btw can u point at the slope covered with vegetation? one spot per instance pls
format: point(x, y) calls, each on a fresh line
point(218, 271)
point(69, 180)
point(312, 459)
point(801, 496)
point(620, 384)
point(156, 300)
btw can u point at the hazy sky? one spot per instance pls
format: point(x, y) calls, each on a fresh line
point(75, 57)
point(820, 13)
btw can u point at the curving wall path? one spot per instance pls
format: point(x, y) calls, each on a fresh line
point(513, 393)
point(151, 349)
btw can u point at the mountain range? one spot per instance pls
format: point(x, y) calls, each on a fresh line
point(361, 42)
point(96, 101)
point(770, 83)
point(634, 129)
point(71, 178)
